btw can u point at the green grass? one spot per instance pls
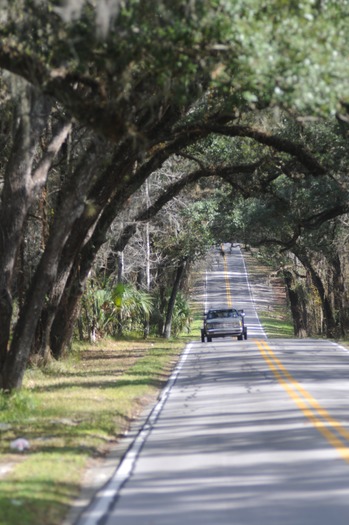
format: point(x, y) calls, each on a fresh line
point(69, 412)
point(276, 327)
point(195, 329)
point(276, 320)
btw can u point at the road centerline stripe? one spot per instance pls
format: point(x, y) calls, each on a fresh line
point(306, 402)
point(227, 282)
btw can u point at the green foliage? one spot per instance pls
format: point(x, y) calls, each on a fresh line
point(103, 309)
point(182, 316)
point(281, 199)
point(16, 406)
point(140, 70)
point(135, 305)
point(118, 295)
point(191, 239)
point(275, 327)
point(295, 50)
point(259, 52)
point(98, 309)
point(164, 45)
point(181, 319)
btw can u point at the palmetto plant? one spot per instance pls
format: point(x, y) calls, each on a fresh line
point(181, 319)
point(108, 311)
point(181, 315)
point(133, 305)
point(98, 312)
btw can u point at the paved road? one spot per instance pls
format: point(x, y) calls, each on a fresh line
point(227, 285)
point(248, 433)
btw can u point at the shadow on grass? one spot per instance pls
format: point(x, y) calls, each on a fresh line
point(38, 502)
point(276, 328)
point(117, 383)
point(98, 354)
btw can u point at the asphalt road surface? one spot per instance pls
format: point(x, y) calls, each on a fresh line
point(249, 432)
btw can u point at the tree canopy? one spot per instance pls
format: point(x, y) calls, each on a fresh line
point(115, 64)
point(97, 96)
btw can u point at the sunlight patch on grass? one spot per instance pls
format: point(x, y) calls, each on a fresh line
point(276, 327)
point(69, 412)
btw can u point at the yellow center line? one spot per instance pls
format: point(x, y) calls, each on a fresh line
point(313, 402)
point(295, 391)
point(227, 282)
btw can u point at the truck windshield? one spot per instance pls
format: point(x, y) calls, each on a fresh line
point(221, 314)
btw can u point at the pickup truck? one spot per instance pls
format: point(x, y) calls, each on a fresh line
point(224, 322)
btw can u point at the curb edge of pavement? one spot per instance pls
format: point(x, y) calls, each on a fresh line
point(96, 476)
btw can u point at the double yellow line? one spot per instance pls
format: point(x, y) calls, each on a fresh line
point(227, 282)
point(330, 428)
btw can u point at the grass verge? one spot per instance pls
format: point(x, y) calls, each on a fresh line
point(269, 298)
point(71, 412)
point(276, 326)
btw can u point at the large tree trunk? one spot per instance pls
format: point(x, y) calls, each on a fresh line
point(105, 188)
point(66, 312)
point(340, 297)
point(73, 205)
point(297, 305)
point(330, 325)
point(109, 198)
point(68, 308)
point(171, 303)
point(70, 259)
point(16, 199)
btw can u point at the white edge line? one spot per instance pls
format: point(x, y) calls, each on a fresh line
point(205, 305)
point(339, 346)
point(106, 496)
